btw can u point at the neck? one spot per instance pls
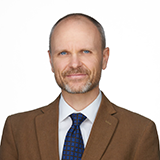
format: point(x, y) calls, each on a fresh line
point(80, 101)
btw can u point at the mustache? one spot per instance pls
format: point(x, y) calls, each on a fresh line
point(76, 70)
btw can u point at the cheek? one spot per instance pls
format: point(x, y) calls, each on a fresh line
point(58, 66)
point(93, 64)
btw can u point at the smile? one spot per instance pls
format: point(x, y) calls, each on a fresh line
point(76, 76)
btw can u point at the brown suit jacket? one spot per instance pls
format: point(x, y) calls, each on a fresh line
point(117, 134)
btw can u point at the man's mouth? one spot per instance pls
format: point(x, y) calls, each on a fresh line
point(76, 75)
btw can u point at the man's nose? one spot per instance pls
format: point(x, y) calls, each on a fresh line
point(75, 61)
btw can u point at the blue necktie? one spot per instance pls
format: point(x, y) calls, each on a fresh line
point(73, 145)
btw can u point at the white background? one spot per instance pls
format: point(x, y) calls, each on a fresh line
point(132, 78)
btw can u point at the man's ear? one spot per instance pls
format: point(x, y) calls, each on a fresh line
point(50, 59)
point(105, 58)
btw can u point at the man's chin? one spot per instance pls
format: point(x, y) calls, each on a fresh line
point(75, 91)
point(79, 90)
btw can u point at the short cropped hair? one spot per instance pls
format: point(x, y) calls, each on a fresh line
point(95, 22)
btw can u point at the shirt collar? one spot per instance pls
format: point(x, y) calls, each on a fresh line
point(90, 111)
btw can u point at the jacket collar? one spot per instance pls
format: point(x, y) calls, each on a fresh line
point(102, 131)
point(47, 131)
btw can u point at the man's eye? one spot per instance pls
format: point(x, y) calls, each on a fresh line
point(63, 53)
point(86, 51)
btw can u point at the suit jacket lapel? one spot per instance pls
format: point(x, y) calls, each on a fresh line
point(102, 131)
point(47, 131)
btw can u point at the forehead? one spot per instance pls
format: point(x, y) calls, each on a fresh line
point(75, 30)
point(73, 20)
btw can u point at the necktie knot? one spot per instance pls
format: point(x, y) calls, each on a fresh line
point(77, 118)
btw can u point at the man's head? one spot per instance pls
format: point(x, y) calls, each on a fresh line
point(77, 53)
point(78, 15)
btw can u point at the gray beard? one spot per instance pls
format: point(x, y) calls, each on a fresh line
point(87, 87)
point(84, 89)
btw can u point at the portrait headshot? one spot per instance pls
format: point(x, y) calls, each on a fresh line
point(62, 104)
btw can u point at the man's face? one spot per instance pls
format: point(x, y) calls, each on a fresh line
point(76, 55)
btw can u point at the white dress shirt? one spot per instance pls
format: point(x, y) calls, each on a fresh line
point(65, 121)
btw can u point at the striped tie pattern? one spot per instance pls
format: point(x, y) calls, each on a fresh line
point(73, 145)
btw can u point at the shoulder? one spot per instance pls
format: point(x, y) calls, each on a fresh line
point(128, 121)
point(133, 123)
point(130, 116)
point(28, 117)
point(122, 114)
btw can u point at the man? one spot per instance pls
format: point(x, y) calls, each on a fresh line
point(81, 123)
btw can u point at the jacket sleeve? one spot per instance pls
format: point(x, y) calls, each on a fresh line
point(8, 149)
point(148, 148)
